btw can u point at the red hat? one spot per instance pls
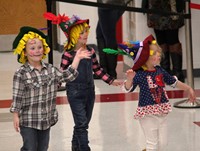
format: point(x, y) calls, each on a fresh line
point(138, 51)
point(65, 23)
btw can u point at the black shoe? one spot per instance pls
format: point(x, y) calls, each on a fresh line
point(96, 77)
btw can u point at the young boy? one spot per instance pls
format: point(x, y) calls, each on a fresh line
point(35, 87)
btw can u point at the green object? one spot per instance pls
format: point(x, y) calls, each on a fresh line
point(115, 52)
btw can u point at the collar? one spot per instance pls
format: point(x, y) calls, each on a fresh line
point(31, 68)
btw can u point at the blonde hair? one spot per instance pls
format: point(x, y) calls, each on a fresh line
point(74, 35)
point(21, 47)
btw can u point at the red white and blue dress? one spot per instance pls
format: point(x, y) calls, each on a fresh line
point(153, 99)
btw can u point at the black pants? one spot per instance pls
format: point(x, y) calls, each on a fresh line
point(168, 37)
point(106, 38)
point(172, 50)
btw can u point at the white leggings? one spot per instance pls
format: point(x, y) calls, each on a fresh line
point(155, 131)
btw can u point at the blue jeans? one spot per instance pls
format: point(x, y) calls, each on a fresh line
point(34, 140)
point(81, 99)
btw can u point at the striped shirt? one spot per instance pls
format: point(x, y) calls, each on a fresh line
point(34, 94)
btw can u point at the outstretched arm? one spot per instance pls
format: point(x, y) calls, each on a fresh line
point(188, 89)
point(116, 82)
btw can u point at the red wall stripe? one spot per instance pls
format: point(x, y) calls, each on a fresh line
point(119, 36)
point(194, 6)
point(106, 98)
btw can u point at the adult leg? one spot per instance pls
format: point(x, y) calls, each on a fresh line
point(175, 49)
point(176, 55)
point(112, 64)
point(161, 39)
point(107, 20)
point(29, 136)
point(165, 60)
point(100, 46)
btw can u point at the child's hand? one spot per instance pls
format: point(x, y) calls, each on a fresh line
point(80, 54)
point(188, 89)
point(16, 122)
point(83, 53)
point(130, 74)
point(116, 83)
point(192, 96)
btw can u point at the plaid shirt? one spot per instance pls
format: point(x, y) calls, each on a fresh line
point(68, 57)
point(34, 94)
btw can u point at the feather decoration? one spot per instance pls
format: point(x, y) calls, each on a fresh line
point(134, 42)
point(56, 19)
point(115, 52)
point(129, 45)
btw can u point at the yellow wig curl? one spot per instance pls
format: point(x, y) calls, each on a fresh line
point(22, 44)
point(74, 35)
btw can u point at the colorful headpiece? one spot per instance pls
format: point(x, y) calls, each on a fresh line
point(138, 51)
point(65, 23)
point(24, 35)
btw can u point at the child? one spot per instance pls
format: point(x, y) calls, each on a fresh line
point(35, 87)
point(153, 106)
point(80, 92)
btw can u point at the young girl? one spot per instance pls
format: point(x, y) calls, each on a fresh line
point(80, 92)
point(35, 87)
point(153, 105)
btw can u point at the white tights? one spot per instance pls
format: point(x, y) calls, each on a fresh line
point(155, 131)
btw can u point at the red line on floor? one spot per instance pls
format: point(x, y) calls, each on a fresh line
point(106, 98)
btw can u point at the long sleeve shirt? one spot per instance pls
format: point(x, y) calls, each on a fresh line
point(153, 98)
point(34, 94)
point(86, 67)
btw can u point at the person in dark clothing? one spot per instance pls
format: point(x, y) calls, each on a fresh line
point(106, 34)
point(166, 29)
